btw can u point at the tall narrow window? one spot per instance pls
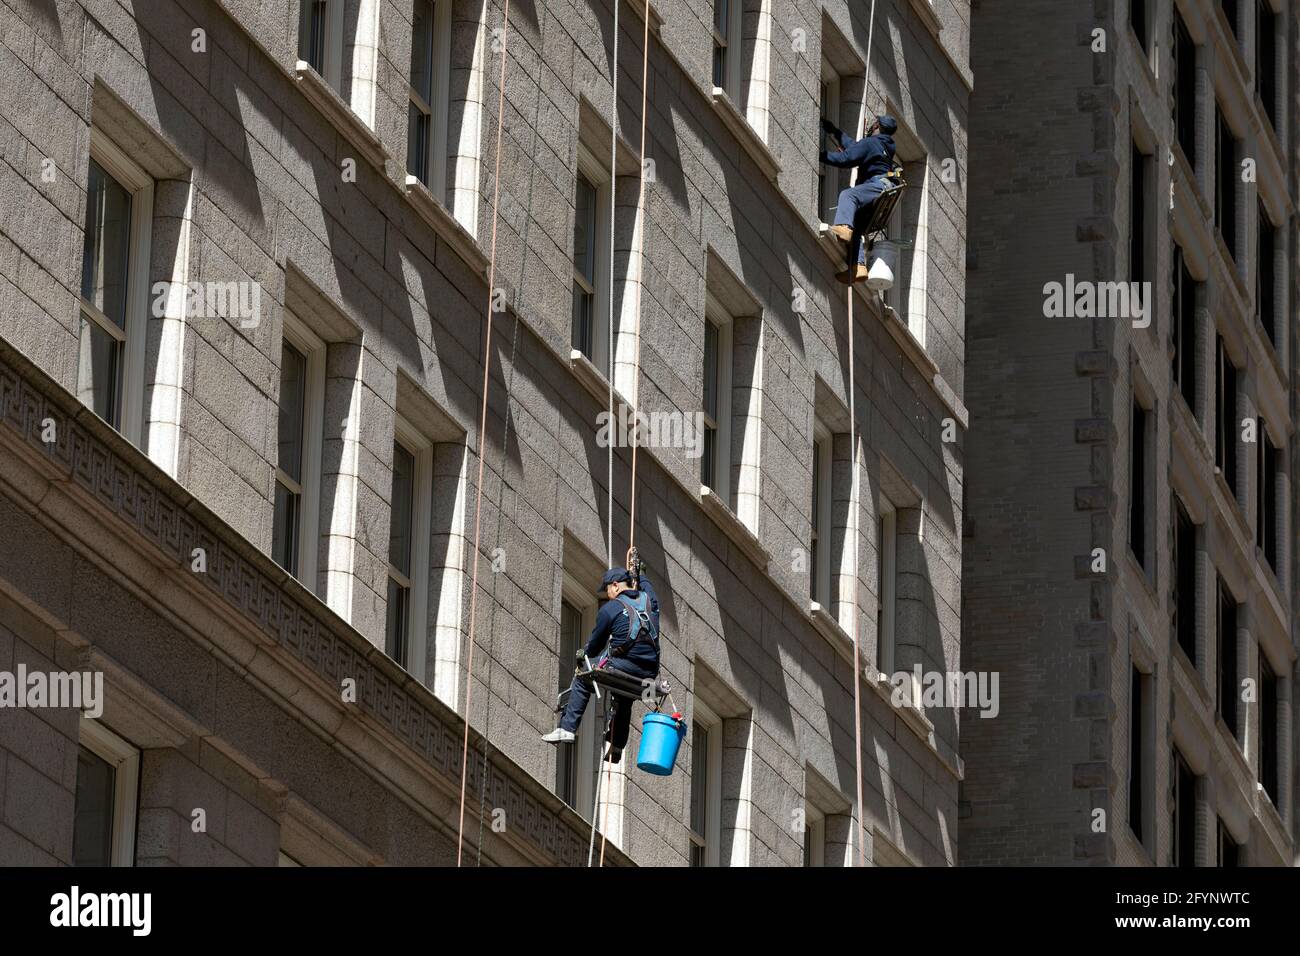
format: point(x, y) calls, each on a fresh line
point(1186, 359)
point(828, 177)
point(1137, 515)
point(103, 293)
point(104, 815)
point(1139, 712)
point(592, 205)
point(1185, 88)
point(400, 554)
point(298, 449)
point(1266, 59)
point(419, 130)
point(1228, 689)
point(1137, 18)
point(1226, 419)
point(706, 787)
point(1185, 582)
point(1266, 512)
point(1265, 276)
point(114, 275)
point(320, 38)
point(814, 837)
point(286, 537)
point(886, 551)
point(584, 266)
point(1137, 215)
point(1226, 178)
point(1229, 850)
point(575, 765)
point(715, 463)
point(1268, 737)
point(1183, 813)
point(819, 565)
point(1230, 14)
point(722, 43)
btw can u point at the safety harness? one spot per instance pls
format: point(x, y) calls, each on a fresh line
point(639, 626)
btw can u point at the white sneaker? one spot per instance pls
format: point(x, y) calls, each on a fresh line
point(559, 736)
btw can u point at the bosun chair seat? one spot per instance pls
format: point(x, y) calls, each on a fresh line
point(620, 685)
point(884, 206)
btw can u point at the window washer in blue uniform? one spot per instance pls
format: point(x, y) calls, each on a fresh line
point(873, 156)
point(626, 638)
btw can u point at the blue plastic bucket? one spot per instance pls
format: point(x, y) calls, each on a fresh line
point(661, 738)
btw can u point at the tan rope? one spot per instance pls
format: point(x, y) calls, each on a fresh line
point(482, 438)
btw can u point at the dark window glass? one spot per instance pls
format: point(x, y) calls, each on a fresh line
point(1265, 277)
point(1266, 60)
point(1185, 582)
point(1137, 485)
point(699, 790)
point(1185, 93)
point(1227, 177)
point(1137, 725)
point(92, 827)
point(1268, 710)
point(1228, 690)
point(1137, 212)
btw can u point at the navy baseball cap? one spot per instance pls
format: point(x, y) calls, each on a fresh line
point(612, 576)
point(888, 124)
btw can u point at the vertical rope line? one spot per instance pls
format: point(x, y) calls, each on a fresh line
point(642, 225)
point(482, 435)
point(636, 365)
point(609, 350)
point(855, 495)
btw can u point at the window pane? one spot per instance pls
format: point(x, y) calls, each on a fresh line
point(699, 778)
point(708, 461)
point(399, 606)
point(311, 33)
point(719, 65)
point(284, 533)
point(422, 49)
point(581, 328)
point(720, 15)
point(105, 254)
point(399, 538)
point(99, 372)
point(92, 828)
point(584, 231)
point(711, 370)
point(293, 387)
point(417, 143)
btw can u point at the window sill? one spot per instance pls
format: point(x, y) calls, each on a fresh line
point(753, 144)
point(445, 225)
point(340, 114)
point(593, 379)
point(830, 629)
point(639, 7)
point(925, 13)
point(733, 527)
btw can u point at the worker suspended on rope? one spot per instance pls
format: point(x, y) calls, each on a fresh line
point(873, 157)
point(626, 638)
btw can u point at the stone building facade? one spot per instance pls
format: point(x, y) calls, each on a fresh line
point(244, 262)
point(1129, 552)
